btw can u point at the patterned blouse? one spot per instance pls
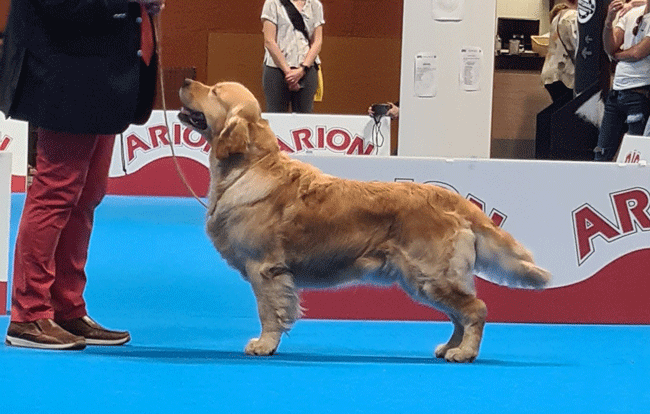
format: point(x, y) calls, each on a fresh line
point(292, 43)
point(558, 65)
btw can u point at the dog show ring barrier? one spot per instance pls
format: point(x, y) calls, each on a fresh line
point(5, 208)
point(587, 223)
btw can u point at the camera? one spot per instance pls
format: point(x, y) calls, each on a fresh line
point(380, 109)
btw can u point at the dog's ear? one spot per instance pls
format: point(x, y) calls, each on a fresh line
point(234, 138)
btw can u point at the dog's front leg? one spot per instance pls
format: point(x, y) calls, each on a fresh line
point(278, 305)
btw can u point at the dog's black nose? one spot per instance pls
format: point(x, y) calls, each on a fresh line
point(187, 82)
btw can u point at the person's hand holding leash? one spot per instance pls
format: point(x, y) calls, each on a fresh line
point(153, 7)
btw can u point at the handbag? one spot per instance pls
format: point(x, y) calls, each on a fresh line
point(299, 24)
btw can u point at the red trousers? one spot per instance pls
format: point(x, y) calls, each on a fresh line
point(52, 243)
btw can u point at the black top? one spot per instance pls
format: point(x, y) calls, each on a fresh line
point(74, 67)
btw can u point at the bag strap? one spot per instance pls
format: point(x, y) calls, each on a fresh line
point(557, 29)
point(298, 22)
point(296, 18)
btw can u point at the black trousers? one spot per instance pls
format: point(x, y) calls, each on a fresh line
point(279, 97)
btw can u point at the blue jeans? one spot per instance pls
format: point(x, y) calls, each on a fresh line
point(624, 110)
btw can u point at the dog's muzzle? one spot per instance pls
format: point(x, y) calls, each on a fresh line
point(194, 118)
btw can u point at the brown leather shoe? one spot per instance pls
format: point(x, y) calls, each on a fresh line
point(42, 334)
point(94, 333)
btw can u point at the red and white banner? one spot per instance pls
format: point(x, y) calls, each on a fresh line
point(587, 223)
point(13, 139)
point(5, 209)
point(296, 133)
point(142, 154)
point(634, 149)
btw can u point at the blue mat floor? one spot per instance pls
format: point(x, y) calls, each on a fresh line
point(153, 271)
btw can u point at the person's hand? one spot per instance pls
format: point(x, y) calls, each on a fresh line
point(612, 11)
point(393, 111)
point(629, 6)
point(153, 7)
point(293, 78)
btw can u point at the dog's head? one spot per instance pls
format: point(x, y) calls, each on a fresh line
point(222, 113)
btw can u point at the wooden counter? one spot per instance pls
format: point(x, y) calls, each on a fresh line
point(518, 97)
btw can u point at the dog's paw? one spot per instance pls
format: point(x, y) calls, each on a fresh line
point(260, 346)
point(441, 350)
point(460, 355)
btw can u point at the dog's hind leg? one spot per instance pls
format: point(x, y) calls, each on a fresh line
point(454, 341)
point(468, 315)
point(447, 283)
point(278, 305)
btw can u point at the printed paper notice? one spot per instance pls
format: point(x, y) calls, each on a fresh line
point(470, 68)
point(448, 10)
point(426, 77)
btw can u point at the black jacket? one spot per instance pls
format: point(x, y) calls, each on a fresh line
point(73, 66)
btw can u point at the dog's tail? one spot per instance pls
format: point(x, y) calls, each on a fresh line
point(506, 261)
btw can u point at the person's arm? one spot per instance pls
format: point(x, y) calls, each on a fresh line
point(630, 5)
point(635, 53)
point(612, 36)
point(314, 48)
point(269, 29)
point(567, 29)
point(294, 76)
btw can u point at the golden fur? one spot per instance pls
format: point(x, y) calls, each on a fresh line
point(285, 225)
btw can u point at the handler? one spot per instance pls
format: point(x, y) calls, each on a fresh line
point(80, 71)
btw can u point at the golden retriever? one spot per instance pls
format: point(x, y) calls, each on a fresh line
point(285, 225)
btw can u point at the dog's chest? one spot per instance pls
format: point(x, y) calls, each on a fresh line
point(247, 189)
point(241, 215)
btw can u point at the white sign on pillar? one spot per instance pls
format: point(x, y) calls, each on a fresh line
point(455, 121)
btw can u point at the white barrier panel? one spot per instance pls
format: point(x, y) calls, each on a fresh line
point(296, 133)
point(5, 209)
point(13, 139)
point(575, 217)
point(634, 149)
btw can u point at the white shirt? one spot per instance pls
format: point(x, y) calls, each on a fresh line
point(630, 75)
point(292, 43)
point(558, 65)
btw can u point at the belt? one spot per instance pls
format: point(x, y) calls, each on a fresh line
point(643, 90)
